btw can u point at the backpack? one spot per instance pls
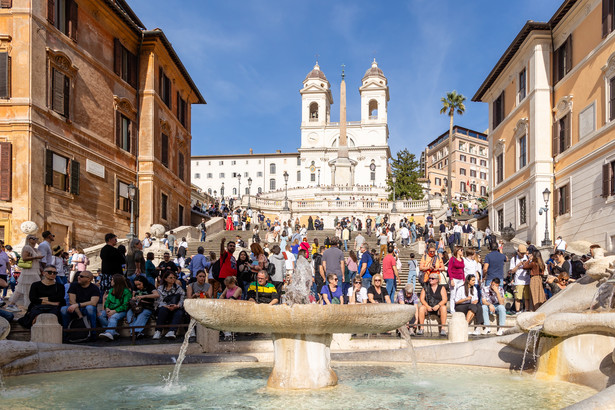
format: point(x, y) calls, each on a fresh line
point(215, 270)
point(374, 268)
point(271, 270)
point(83, 332)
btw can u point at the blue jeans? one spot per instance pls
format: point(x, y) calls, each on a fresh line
point(62, 280)
point(346, 245)
point(412, 278)
point(141, 319)
point(112, 321)
point(391, 287)
point(88, 311)
point(203, 236)
point(457, 238)
point(478, 243)
point(500, 312)
point(7, 315)
point(366, 282)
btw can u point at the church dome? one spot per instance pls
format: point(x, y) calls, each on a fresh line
point(374, 71)
point(316, 73)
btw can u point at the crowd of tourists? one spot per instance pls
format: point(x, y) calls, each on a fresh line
point(129, 289)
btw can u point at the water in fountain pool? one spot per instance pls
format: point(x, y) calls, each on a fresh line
point(244, 386)
point(299, 289)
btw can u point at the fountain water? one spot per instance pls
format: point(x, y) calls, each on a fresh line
point(182, 355)
point(405, 333)
point(532, 339)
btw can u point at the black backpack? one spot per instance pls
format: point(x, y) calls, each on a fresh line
point(374, 268)
point(215, 270)
point(270, 270)
point(83, 332)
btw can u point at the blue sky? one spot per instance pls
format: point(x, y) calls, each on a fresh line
point(249, 59)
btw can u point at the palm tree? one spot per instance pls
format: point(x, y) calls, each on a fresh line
point(451, 103)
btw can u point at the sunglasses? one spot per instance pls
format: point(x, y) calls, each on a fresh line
point(377, 280)
point(433, 278)
point(53, 272)
point(335, 279)
point(82, 276)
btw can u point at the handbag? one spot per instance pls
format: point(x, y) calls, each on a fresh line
point(24, 264)
point(172, 299)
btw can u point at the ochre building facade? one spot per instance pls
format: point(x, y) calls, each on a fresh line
point(90, 103)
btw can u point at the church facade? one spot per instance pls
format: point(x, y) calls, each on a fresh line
point(314, 162)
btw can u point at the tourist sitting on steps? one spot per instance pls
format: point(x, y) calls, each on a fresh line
point(232, 291)
point(433, 302)
point(199, 289)
point(262, 291)
point(83, 296)
point(494, 303)
point(378, 293)
point(332, 292)
point(357, 293)
point(465, 300)
point(431, 263)
point(115, 305)
point(170, 305)
point(46, 296)
point(141, 305)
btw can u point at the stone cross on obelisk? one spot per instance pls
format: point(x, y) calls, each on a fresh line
point(342, 166)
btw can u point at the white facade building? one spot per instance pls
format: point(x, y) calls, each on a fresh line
point(311, 166)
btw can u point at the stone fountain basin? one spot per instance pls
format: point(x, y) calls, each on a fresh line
point(314, 319)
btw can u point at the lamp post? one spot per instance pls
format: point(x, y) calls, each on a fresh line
point(132, 193)
point(249, 193)
point(394, 208)
point(239, 188)
point(545, 195)
point(428, 196)
point(318, 176)
point(286, 208)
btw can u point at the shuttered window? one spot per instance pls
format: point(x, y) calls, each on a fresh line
point(123, 201)
point(562, 60)
point(608, 9)
point(62, 173)
point(123, 132)
point(182, 110)
point(562, 200)
point(499, 168)
point(124, 63)
point(164, 152)
point(608, 179)
point(5, 75)
point(6, 159)
point(522, 82)
point(612, 99)
point(562, 135)
point(522, 151)
point(164, 202)
point(500, 220)
point(180, 166)
point(60, 92)
point(63, 14)
point(6, 4)
point(164, 88)
point(498, 110)
point(180, 212)
point(522, 211)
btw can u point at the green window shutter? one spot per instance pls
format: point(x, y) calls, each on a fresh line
point(5, 171)
point(4, 75)
point(49, 167)
point(74, 177)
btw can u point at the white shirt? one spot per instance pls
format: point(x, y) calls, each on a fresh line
point(404, 233)
point(361, 296)
point(457, 229)
point(290, 261)
point(45, 249)
point(560, 244)
point(460, 293)
point(470, 267)
point(522, 276)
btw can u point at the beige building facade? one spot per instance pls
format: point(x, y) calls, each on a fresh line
point(90, 102)
point(552, 105)
point(469, 171)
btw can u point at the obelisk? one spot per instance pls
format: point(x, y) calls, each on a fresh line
point(342, 174)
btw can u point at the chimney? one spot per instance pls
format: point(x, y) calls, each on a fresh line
point(277, 151)
point(251, 152)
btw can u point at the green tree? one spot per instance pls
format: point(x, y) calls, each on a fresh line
point(451, 103)
point(406, 170)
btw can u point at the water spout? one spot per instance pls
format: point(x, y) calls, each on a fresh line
point(532, 338)
point(405, 333)
point(182, 355)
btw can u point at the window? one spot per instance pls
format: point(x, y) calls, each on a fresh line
point(197, 176)
point(472, 160)
point(245, 174)
point(372, 176)
point(272, 169)
point(234, 175)
point(500, 220)
point(437, 181)
point(124, 63)
point(123, 201)
point(314, 111)
point(164, 88)
point(462, 146)
point(180, 215)
point(612, 99)
point(5, 75)
point(561, 135)
point(483, 175)
point(473, 187)
point(499, 168)
point(163, 206)
point(373, 110)
point(62, 14)
point(473, 173)
point(233, 162)
point(260, 190)
point(312, 177)
point(221, 175)
point(5, 4)
point(483, 191)
point(462, 171)
point(272, 184)
point(123, 131)
point(562, 200)
point(5, 171)
point(483, 163)
point(522, 211)
point(462, 158)
point(259, 174)
point(234, 191)
point(298, 160)
point(562, 60)
point(60, 92)
point(521, 89)
point(61, 173)
point(608, 179)
point(182, 110)
point(220, 163)
point(209, 191)
point(483, 152)
point(472, 149)
point(608, 9)
point(164, 152)
point(522, 144)
point(180, 166)
point(210, 175)
point(498, 110)
point(298, 176)
point(462, 187)
point(446, 162)
point(247, 190)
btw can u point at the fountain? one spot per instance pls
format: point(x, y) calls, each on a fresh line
point(301, 333)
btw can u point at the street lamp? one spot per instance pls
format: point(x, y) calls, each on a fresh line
point(318, 176)
point(285, 175)
point(545, 195)
point(428, 196)
point(239, 192)
point(132, 193)
point(394, 208)
point(249, 185)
